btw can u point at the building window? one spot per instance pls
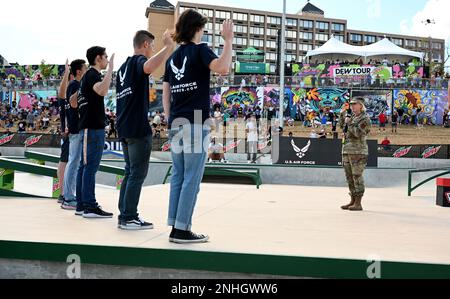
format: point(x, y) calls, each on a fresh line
point(370, 39)
point(356, 37)
point(218, 28)
point(274, 20)
point(306, 24)
point(206, 12)
point(291, 34)
point(424, 44)
point(322, 37)
point(290, 57)
point(271, 56)
point(397, 41)
point(209, 27)
point(338, 27)
point(291, 46)
point(207, 38)
point(305, 47)
point(240, 16)
point(322, 25)
point(291, 22)
point(411, 43)
point(240, 41)
point(437, 46)
point(240, 29)
point(218, 40)
point(257, 30)
point(257, 43)
point(257, 19)
point(306, 35)
point(339, 37)
point(223, 14)
point(271, 44)
point(273, 68)
point(272, 32)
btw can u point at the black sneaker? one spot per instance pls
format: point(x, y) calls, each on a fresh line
point(135, 224)
point(61, 199)
point(92, 213)
point(79, 211)
point(172, 234)
point(188, 237)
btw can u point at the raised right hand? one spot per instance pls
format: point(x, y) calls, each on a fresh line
point(227, 32)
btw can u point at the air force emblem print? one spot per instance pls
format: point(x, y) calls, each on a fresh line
point(179, 73)
point(123, 76)
point(301, 153)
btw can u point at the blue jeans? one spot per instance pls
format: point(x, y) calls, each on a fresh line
point(70, 184)
point(91, 155)
point(189, 154)
point(137, 156)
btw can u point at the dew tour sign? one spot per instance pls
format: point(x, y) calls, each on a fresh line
point(32, 140)
point(383, 71)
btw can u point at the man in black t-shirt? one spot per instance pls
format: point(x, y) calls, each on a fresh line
point(78, 69)
point(132, 122)
point(91, 109)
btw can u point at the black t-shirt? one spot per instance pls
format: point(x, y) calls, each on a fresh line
point(394, 118)
point(91, 106)
point(188, 73)
point(133, 96)
point(72, 113)
point(62, 113)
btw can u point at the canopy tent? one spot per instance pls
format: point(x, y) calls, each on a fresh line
point(334, 46)
point(383, 48)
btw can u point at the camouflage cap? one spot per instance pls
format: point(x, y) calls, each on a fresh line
point(357, 100)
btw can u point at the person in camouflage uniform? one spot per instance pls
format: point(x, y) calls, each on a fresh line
point(355, 150)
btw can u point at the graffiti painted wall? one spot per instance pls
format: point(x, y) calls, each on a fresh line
point(376, 102)
point(430, 103)
point(296, 100)
point(34, 72)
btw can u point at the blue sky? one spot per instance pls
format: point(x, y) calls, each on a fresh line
point(389, 18)
point(56, 30)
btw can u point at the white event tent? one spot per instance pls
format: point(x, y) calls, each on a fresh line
point(334, 48)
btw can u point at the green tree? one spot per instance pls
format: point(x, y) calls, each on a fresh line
point(45, 69)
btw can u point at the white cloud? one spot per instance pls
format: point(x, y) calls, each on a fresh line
point(436, 10)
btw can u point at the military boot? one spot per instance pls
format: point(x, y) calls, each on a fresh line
point(352, 202)
point(357, 206)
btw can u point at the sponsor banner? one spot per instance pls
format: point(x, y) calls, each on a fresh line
point(6, 139)
point(32, 140)
point(401, 152)
point(320, 152)
point(415, 151)
point(431, 151)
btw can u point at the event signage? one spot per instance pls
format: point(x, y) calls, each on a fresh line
point(320, 152)
point(383, 72)
point(431, 151)
point(402, 152)
point(6, 139)
point(32, 140)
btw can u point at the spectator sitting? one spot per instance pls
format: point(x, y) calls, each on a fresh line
point(216, 151)
point(322, 134)
point(22, 127)
point(313, 135)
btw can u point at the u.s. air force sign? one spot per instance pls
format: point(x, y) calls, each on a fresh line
point(320, 152)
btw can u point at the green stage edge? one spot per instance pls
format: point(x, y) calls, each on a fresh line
point(218, 262)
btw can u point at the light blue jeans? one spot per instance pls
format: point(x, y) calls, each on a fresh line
point(70, 181)
point(189, 153)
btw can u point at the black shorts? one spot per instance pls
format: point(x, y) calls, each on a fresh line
point(65, 150)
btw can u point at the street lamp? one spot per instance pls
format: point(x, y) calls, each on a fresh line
point(282, 63)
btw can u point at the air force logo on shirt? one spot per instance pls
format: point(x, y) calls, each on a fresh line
point(179, 73)
point(123, 76)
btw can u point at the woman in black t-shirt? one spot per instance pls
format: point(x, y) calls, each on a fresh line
point(187, 81)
